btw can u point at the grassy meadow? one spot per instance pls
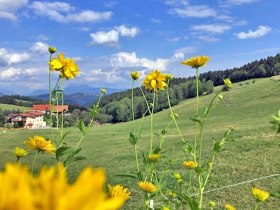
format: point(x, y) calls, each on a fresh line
point(254, 153)
point(14, 107)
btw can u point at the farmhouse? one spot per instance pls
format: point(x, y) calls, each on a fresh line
point(29, 119)
point(45, 108)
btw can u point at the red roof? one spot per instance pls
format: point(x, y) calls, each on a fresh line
point(46, 107)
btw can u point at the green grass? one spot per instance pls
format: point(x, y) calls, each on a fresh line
point(253, 154)
point(14, 107)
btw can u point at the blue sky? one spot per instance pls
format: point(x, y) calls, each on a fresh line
point(110, 38)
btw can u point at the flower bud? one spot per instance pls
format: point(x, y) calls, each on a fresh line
point(103, 91)
point(52, 49)
point(134, 75)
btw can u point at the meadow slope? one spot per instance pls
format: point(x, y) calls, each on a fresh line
point(253, 154)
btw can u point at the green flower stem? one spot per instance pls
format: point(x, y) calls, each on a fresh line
point(172, 113)
point(90, 123)
point(256, 206)
point(162, 139)
point(62, 114)
point(152, 123)
point(132, 112)
point(17, 159)
point(35, 158)
point(196, 124)
point(149, 109)
point(50, 97)
point(202, 125)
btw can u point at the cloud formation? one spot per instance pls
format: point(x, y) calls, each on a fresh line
point(211, 28)
point(8, 58)
point(113, 36)
point(8, 8)
point(261, 31)
point(63, 12)
point(40, 48)
point(229, 3)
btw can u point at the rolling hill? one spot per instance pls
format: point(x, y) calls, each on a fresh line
point(254, 153)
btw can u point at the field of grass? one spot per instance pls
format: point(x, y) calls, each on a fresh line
point(253, 154)
point(14, 107)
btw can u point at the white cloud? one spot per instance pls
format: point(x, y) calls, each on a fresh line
point(102, 37)
point(63, 12)
point(126, 59)
point(40, 48)
point(8, 8)
point(111, 4)
point(17, 73)
point(229, 3)
point(154, 20)
point(128, 32)
point(186, 50)
point(106, 76)
point(174, 39)
point(199, 11)
point(113, 36)
point(207, 38)
point(211, 28)
point(8, 58)
point(261, 31)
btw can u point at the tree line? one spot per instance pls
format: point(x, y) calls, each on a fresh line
point(116, 107)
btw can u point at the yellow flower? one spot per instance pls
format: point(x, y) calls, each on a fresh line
point(50, 190)
point(259, 195)
point(228, 83)
point(147, 186)
point(67, 66)
point(119, 191)
point(190, 164)
point(154, 157)
point(196, 62)
point(134, 75)
point(229, 207)
point(154, 81)
point(165, 208)
point(40, 143)
point(20, 152)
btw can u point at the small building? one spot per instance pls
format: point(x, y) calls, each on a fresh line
point(45, 108)
point(29, 119)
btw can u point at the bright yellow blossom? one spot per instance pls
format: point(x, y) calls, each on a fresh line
point(20, 152)
point(119, 191)
point(155, 80)
point(259, 195)
point(67, 66)
point(165, 208)
point(134, 75)
point(190, 164)
point(154, 157)
point(50, 190)
point(40, 143)
point(147, 186)
point(228, 83)
point(196, 62)
point(229, 207)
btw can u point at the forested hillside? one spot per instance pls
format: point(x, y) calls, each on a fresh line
point(117, 106)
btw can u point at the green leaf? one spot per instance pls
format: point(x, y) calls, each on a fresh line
point(205, 110)
point(190, 201)
point(195, 119)
point(82, 127)
point(133, 138)
point(157, 150)
point(164, 132)
point(217, 147)
point(62, 151)
point(133, 176)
